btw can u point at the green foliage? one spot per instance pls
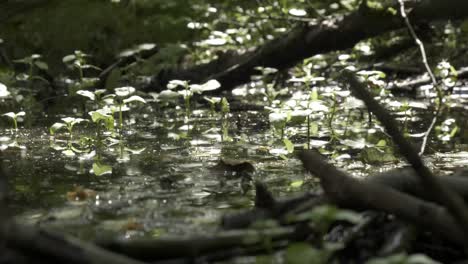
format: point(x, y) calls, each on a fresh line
point(299, 253)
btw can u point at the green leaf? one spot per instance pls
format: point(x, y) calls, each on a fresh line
point(296, 184)
point(86, 93)
point(382, 143)
point(314, 94)
point(10, 115)
point(174, 83)
point(68, 59)
point(208, 86)
point(134, 98)
point(168, 96)
point(56, 127)
point(101, 169)
point(289, 145)
point(224, 105)
point(68, 153)
point(124, 91)
point(97, 116)
point(41, 65)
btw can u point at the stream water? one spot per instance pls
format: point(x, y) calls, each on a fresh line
point(159, 184)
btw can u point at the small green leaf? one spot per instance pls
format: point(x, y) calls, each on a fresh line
point(68, 153)
point(382, 143)
point(296, 184)
point(68, 59)
point(41, 65)
point(224, 105)
point(101, 169)
point(289, 145)
point(56, 127)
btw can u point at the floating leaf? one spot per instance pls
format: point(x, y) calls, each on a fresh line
point(101, 169)
point(135, 151)
point(68, 153)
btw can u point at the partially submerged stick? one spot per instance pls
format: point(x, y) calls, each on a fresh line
point(346, 191)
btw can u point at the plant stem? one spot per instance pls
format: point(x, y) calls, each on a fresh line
point(308, 131)
point(120, 118)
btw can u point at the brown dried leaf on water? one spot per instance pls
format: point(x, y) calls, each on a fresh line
point(132, 225)
point(80, 193)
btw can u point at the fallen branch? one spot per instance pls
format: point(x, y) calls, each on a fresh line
point(198, 246)
point(348, 192)
point(305, 41)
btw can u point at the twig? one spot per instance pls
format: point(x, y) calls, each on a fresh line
point(442, 193)
point(429, 71)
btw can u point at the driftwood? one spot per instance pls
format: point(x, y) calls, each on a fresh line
point(304, 41)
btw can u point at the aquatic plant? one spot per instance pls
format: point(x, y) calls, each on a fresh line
point(14, 117)
point(68, 124)
point(78, 61)
point(190, 89)
point(34, 62)
point(123, 98)
point(225, 110)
